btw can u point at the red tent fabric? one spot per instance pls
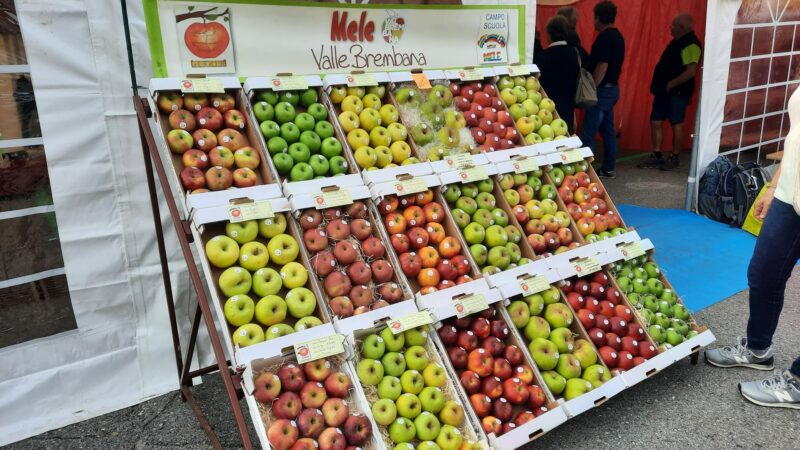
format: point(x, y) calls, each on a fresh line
point(645, 26)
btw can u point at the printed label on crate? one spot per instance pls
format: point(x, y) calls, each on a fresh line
point(289, 83)
point(421, 80)
point(525, 165)
point(202, 85)
point(570, 156)
point(585, 266)
point(472, 174)
point(534, 285)
point(470, 304)
point(472, 74)
point(333, 199)
point(361, 79)
point(250, 211)
point(410, 321)
point(458, 161)
point(319, 348)
point(410, 186)
point(632, 250)
point(518, 71)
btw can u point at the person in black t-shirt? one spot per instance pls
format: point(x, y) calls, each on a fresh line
point(605, 64)
point(571, 14)
point(559, 65)
point(672, 88)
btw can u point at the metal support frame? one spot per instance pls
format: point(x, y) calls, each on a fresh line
point(183, 361)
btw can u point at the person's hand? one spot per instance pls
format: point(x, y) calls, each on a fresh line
point(763, 204)
point(670, 85)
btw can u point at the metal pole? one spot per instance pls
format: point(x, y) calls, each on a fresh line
point(127, 29)
point(691, 184)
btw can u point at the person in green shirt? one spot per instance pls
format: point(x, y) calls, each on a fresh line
point(672, 88)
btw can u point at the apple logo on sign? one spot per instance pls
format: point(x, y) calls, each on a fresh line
point(392, 27)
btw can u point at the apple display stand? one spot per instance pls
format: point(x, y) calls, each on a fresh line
point(231, 379)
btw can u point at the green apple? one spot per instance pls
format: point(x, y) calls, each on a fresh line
point(330, 147)
point(384, 412)
point(416, 336)
point(500, 217)
point(535, 304)
point(253, 256)
point(537, 328)
point(564, 339)
point(461, 218)
point(657, 333)
point(248, 334)
point(294, 275)
point(301, 302)
point(324, 130)
point(520, 313)
point(434, 375)
point(416, 358)
point(568, 366)
point(393, 342)
point(319, 164)
point(290, 132)
point(680, 312)
point(428, 445)
point(239, 310)
point(307, 322)
point(242, 232)
point(301, 172)
point(312, 140)
point(284, 112)
point(408, 406)
point(673, 337)
point(318, 112)
point(299, 152)
point(402, 430)
point(544, 353)
point(483, 218)
point(467, 204)
point(338, 165)
point(289, 97)
point(474, 233)
point(452, 193)
point(222, 251)
point(558, 315)
point(427, 426)
point(269, 130)
point(283, 249)
point(263, 111)
point(270, 310)
point(283, 163)
point(596, 374)
point(390, 388)
point(270, 97)
point(552, 295)
point(373, 347)
point(305, 121)
point(432, 399)
point(469, 190)
point(394, 364)
point(479, 253)
point(496, 235)
point(266, 281)
point(583, 350)
point(555, 382)
point(449, 438)
point(412, 382)
point(277, 145)
point(370, 371)
point(235, 281)
point(499, 257)
point(278, 330)
point(576, 387)
point(269, 228)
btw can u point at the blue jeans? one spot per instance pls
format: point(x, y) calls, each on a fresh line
point(776, 253)
point(601, 118)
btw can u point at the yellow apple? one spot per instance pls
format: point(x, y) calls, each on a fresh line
point(349, 121)
point(352, 103)
point(357, 91)
point(398, 131)
point(400, 151)
point(384, 155)
point(389, 114)
point(366, 157)
point(379, 136)
point(369, 119)
point(338, 93)
point(371, 101)
point(357, 138)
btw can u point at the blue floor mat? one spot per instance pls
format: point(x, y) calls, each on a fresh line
point(705, 261)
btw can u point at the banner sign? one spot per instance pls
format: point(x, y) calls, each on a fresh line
point(265, 37)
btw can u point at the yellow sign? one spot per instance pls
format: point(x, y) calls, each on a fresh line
point(289, 83)
point(202, 85)
point(472, 174)
point(470, 304)
point(632, 250)
point(518, 71)
point(570, 156)
point(585, 266)
point(458, 161)
point(361, 79)
point(524, 165)
point(410, 186)
point(332, 199)
point(534, 285)
point(250, 211)
point(319, 348)
point(472, 74)
point(421, 80)
point(410, 321)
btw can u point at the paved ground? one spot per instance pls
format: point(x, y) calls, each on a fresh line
point(684, 407)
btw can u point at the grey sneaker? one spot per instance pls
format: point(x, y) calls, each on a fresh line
point(655, 161)
point(607, 174)
point(781, 390)
point(740, 356)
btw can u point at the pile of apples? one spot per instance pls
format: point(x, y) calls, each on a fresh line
point(427, 254)
point(666, 318)
point(485, 226)
point(437, 127)
point(206, 130)
point(374, 132)
point(300, 139)
point(532, 114)
point(310, 409)
point(569, 364)
point(349, 258)
point(610, 322)
point(586, 202)
point(491, 125)
point(255, 277)
point(410, 387)
point(547, 228)
point(492, 371)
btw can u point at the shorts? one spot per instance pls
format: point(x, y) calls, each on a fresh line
point(670, 107)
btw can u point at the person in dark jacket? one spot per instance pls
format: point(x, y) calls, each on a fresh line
point(672, 88)
point(559, 65)
point(571, 14)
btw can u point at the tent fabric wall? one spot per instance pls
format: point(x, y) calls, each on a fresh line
point(121, 353)
point(645, 26)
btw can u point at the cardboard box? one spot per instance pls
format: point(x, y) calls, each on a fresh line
point(174, 164)
point(255, 85)
point(541, 149)
point(563, 261)
point(524, 68)
point(262, 415)
point(210, 222)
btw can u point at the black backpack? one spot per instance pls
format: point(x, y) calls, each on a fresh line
point(709, 202)
point(739, 188)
